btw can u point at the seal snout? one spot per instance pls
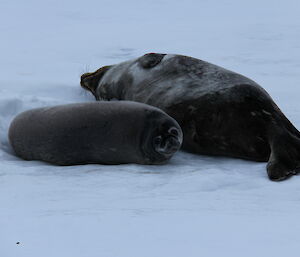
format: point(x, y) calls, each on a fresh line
point(90, 80)
point(84, 80)
point(169, 143)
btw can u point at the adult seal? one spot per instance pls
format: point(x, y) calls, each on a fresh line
point(104, 133)
point(220, 112)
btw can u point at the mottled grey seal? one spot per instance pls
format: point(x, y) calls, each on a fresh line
point(96, 132)
point(220, 112)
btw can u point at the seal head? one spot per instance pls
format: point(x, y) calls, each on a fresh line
point(163, 140)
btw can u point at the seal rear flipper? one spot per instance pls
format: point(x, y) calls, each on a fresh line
point(284, 160)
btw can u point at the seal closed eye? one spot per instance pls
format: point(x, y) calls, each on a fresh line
point(221, 112)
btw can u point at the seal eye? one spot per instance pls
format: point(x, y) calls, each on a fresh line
point(173, 131)
point(157, 140)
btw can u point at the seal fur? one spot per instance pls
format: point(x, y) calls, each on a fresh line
point(220, 112)
point(96, 132)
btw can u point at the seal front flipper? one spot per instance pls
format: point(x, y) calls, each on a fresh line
point(284, 160)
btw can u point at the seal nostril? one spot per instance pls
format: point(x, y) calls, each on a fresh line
point(83, 76)
point(83, 79)
point(167, 145)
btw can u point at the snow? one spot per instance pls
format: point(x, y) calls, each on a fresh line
point(194, 205)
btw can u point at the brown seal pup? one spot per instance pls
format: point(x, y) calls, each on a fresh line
point(220, 112)
point(99, 132)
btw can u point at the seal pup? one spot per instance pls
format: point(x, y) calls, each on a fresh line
point(97, 132)
point(220, 112)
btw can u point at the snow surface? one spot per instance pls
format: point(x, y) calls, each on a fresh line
point(195, 205)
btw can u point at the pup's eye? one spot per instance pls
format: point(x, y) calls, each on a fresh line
point(173, 131)
point(157, 140)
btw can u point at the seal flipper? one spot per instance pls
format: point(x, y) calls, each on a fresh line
point(150, 60)
point(284, 160)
